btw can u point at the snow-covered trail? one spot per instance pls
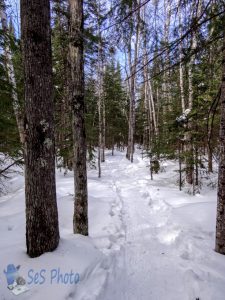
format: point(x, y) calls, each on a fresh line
point(148, 240)
point(138, 273)
point(161, 256)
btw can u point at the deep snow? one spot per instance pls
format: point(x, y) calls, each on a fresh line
point(148, 240)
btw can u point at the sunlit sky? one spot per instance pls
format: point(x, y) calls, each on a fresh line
point(13, 11)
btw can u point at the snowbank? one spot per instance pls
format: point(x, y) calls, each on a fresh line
point(147, 239)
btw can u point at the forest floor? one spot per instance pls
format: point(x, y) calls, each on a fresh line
point(148, 240)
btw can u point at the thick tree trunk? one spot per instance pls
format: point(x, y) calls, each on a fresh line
point(42, 232)
point(11, 73)
point(76, 57)
point(220, 224)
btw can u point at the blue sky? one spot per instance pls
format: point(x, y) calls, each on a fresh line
point(13, 11)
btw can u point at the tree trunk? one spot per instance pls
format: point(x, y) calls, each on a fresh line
point(210, 160)
point(100, 107)
point(166, 75)
point(152, 104)
point(148, 127)
point(188, 138)
point(181, 67)
point(99, 131)
point(132, 114)
point(76, 57)
point(220, 224)
point(209, 133)
point(130, 122)
point(42, 232)
point(103, 130)
point(133, 67)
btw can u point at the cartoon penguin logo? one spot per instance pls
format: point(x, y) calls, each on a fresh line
point(11, 274)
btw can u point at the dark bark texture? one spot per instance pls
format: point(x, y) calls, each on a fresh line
point(42, 231)
point(76, 60)
point(220, 224)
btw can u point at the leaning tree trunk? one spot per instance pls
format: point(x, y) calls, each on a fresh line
point(42, 232)
point(220, 224)
point(76, 57)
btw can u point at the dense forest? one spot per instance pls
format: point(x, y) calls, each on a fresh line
point(80, 80)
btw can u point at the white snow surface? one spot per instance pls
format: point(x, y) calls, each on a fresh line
point(148, 240)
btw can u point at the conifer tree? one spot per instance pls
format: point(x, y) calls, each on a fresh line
point(220, 224)
point(76, 60)
point(42, 232)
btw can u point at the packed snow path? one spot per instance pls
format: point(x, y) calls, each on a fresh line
point(148, 240)
point(164, 246)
